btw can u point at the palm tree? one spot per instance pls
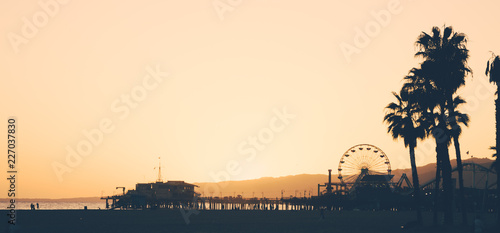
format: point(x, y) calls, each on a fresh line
point(455, 119)
point(445, 67)
point(425, 93)
point(493, 70)
point(403, 121)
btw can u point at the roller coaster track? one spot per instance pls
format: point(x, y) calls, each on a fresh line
point(466, 167)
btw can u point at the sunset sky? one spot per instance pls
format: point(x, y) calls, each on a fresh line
point(217, 88)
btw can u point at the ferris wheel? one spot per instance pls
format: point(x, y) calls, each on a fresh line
point(361, 160)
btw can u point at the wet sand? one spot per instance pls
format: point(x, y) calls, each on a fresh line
point(162, 220)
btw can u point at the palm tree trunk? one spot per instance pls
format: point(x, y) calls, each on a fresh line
point(460, 180)
point(416, 184)
point(437, 191)
point(442, 140)
point(447, 185)
point(497, 144)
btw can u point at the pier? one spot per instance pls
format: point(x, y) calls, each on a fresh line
point(217, 203)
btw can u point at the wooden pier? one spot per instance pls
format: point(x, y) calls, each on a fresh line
point(218, 203)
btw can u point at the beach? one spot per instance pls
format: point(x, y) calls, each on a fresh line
point(168, 220)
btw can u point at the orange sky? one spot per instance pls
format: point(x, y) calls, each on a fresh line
point(196, 81)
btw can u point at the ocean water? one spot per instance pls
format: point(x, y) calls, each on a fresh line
point(56, 205)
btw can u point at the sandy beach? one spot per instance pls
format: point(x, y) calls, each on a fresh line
point(221, 221)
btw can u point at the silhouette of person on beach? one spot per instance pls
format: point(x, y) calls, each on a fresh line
point(32, 206)
point(37, 206)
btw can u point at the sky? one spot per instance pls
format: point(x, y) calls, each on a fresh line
point(217, 89)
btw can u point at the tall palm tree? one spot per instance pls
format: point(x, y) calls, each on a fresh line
point(493, 70)
point(425, 93)
point(445, 66)
point(403, 121)
point(456, 118)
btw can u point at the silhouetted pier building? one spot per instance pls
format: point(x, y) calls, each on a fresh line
point(154, 195)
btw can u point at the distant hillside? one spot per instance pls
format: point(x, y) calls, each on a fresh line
point(271, 187)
